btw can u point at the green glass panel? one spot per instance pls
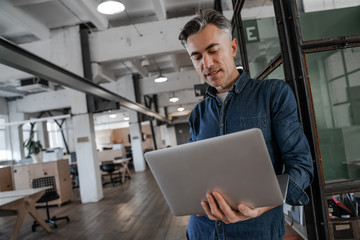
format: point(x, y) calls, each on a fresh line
point(335, 86)
point(330, 23)
point(278, 73)
point(262, 42)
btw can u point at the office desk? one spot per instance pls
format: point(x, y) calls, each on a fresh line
point(60, 169)
point(6, 181)
point(22, 202)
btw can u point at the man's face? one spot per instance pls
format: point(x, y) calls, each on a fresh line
point(212, 53)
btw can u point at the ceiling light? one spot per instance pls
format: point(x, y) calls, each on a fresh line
point(145, 63)
point(110, 7)
point(180, 109)
point(173, 99)
point(126, 118)
point(112, 115)
point(160, 79)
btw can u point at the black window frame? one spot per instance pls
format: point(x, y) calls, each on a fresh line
point(293, 58)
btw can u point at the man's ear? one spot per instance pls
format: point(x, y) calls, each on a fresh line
point(234, 46)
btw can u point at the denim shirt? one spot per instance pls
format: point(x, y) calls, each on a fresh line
point(269, 105)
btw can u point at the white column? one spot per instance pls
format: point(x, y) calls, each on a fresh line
point(86, 155)
point(87, 159)
point(136, 143)
point(125, 87)
point(66, 52)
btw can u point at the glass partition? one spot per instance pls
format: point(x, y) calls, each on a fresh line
point(330, 23)
point(262, 42)
point(335, 85)
point(278, 73)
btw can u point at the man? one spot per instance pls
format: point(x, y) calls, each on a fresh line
point(234, 103)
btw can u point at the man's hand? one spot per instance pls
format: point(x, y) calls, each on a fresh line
point(218, 209)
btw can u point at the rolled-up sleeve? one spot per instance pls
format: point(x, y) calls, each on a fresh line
point(293, 144)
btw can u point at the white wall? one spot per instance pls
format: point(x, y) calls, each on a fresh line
point(168, 136)
point(321, 5)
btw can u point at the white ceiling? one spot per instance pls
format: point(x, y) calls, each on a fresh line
point(24, 21)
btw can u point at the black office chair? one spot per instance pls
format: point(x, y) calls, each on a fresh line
point(75, 176)
point(109, 167)
point(50, 195)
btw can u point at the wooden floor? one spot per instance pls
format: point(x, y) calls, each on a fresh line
point(134, 210)
point(131, 211)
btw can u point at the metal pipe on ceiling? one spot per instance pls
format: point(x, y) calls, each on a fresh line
point(33, 120)
point(16, 57)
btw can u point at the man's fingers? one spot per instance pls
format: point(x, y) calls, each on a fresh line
point(214, 207)
point(207, 210)
point(230, 215)
point(247, 211)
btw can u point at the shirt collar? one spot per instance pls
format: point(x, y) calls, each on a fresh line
point(237, 87)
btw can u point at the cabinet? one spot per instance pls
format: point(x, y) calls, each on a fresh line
point(345, 229)
point(6, 182)
point(60, 169)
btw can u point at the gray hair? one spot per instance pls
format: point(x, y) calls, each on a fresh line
point(203, 18)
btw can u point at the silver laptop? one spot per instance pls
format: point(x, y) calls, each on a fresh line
point(237, 165)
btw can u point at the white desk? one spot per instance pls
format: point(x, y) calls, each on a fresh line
point(22, 192)
point(125, 169)
point(22, 202)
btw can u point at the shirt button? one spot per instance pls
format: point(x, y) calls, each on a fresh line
point(219, 223)
point(219, 104)
point(222, 125)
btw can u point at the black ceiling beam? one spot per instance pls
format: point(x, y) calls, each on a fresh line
point(218, 6)
point(333, 43)
point(238, 24)
point(16, 57)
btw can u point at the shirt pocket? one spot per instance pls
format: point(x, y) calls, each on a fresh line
point(260, 122)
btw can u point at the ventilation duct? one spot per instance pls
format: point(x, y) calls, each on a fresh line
point(33, 85)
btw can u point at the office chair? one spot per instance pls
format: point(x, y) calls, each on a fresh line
point(75, 176)
point(109, 167)
point(50, 195)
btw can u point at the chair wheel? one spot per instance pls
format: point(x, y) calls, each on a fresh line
point(33, 229)
point(67, 219)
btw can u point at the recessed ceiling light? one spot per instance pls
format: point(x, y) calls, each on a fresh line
point(112, 115)
point(110, 7)
point(126, 118)
point(180, 109)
